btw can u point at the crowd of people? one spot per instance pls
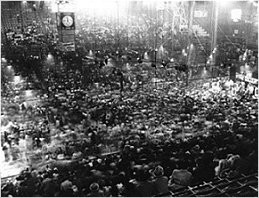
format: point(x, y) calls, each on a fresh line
point(163, 139)
point(124, 129)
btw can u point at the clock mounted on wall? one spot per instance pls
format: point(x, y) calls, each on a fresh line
point(67, 21)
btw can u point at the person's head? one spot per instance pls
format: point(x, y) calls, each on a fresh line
point(114, 191)
point(208, 157)
point(94, 187)
point(66, 185)
point(142, 175)
point(122, 176)
point(101, 183)
point(159, 171)
point(182, 164)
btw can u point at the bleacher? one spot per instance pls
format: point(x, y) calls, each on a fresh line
point(9, 19)
point(15, 18)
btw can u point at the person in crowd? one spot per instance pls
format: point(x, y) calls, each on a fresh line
point(184, 132)
point(160, 181)
point(144, 185)
point(66, 189)
point(95, 191)
point(180, 177)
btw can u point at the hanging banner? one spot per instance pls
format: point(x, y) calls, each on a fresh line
point(200, 14)
point(70, 47)
point(247, 79)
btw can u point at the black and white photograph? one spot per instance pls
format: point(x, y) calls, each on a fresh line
point(129, 98)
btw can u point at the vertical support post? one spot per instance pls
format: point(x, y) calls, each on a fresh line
point(214, 36)
point(172, 31)
point(190, 35)
point(215, 32)
point(155, 56)
point(117, 28)
point(21, 13)
point(58, 21)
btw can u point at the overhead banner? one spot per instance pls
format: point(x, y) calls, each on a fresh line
point(66, 29)
point(70, 47)
point(247, 79)
point(200, 14)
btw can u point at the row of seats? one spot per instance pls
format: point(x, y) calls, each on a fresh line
point(235, 186)
point(11, 20)
point(239, 186)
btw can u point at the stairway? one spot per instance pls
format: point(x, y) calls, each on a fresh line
point(201, 41)
point(200, 31)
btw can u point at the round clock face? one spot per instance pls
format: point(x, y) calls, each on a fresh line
point(67, 21)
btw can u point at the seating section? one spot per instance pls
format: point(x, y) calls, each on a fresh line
point(238, 186)
point(241, 186)
point(9, 19)
point(14, 19)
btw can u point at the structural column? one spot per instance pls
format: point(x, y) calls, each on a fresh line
point(190, 35)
